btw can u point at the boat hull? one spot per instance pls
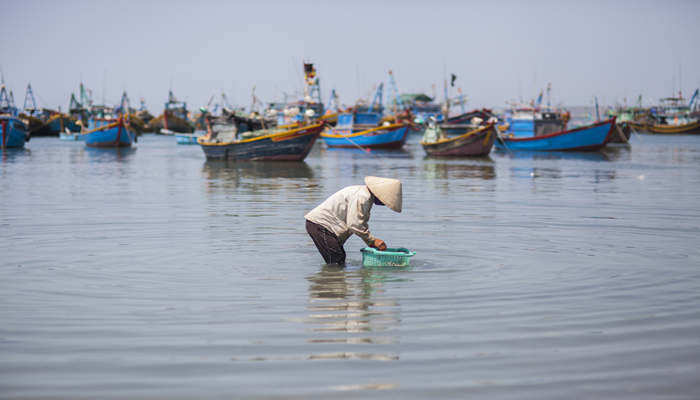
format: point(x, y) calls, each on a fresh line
point(56, 125)
point(390, 138)
point(14, 133)
point(586, 138)
point(622, 133)
point(692, 128)
point(168, 124)
point(112, 135)
point(293, 145)
point(474, 143)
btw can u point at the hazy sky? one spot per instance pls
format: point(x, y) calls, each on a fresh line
point(499, 50)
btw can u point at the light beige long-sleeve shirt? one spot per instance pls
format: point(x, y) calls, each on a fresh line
point(345, 212)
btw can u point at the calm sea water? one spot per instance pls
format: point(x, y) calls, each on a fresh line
point(151, 273)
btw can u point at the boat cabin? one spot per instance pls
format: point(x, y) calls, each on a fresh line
point(175, 107)
point(672, 111)
point(287, 113)
point(531, 122)
point(356, 121)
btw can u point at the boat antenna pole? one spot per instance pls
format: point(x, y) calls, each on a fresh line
point(446, 110)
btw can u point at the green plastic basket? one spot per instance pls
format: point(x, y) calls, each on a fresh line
point(391, 257)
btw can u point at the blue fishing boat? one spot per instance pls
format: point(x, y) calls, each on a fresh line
point(364, 130)
point(363, 127)
point(586, 138)
point(108, 133)
point(14, 131)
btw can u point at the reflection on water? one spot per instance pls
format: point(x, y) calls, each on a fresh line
point(10, 154)
point(215, 169)
point(106, 155)
point(259, 175)
point(479, 168)
point(559, 155)
point(351, 307)
point(618, 152)
point(612, 152)
point(158, 275)
point(552, 175)
point(357, 153)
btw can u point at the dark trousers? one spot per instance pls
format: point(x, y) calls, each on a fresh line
point(327, 243)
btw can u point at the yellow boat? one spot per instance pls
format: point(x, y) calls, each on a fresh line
point(688, 128)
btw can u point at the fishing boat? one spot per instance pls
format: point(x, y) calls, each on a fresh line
point(364, 130)
point(108, 133)
point(672, 116)
point(476, 142)
point(623, 132)
point(33, 117)
point(143, 115)
point(585, 138)
point(57, 123)
point(286, 143)
point(626, 117)
point(80, 111)
point(14, 131)
point(363, 127)
point(173, 120)
point(680, 128)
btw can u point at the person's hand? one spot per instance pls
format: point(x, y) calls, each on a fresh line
point(379, 244)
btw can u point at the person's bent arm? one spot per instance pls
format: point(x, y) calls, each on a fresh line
point(358, 215)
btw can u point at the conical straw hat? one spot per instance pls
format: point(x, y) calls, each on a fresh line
point(387, 190)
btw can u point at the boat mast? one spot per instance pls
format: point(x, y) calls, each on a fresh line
point(461, 100)
point(224, 101)
point(312, 87)
point(333, 102)
point(6, 103)
point(446, 109)
point(377, 97)
point(124, 103)
point(29, 98)
point(396, 101)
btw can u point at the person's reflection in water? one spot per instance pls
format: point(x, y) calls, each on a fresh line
point(348, 312)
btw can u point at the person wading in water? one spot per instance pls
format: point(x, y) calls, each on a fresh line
point(346, 212)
